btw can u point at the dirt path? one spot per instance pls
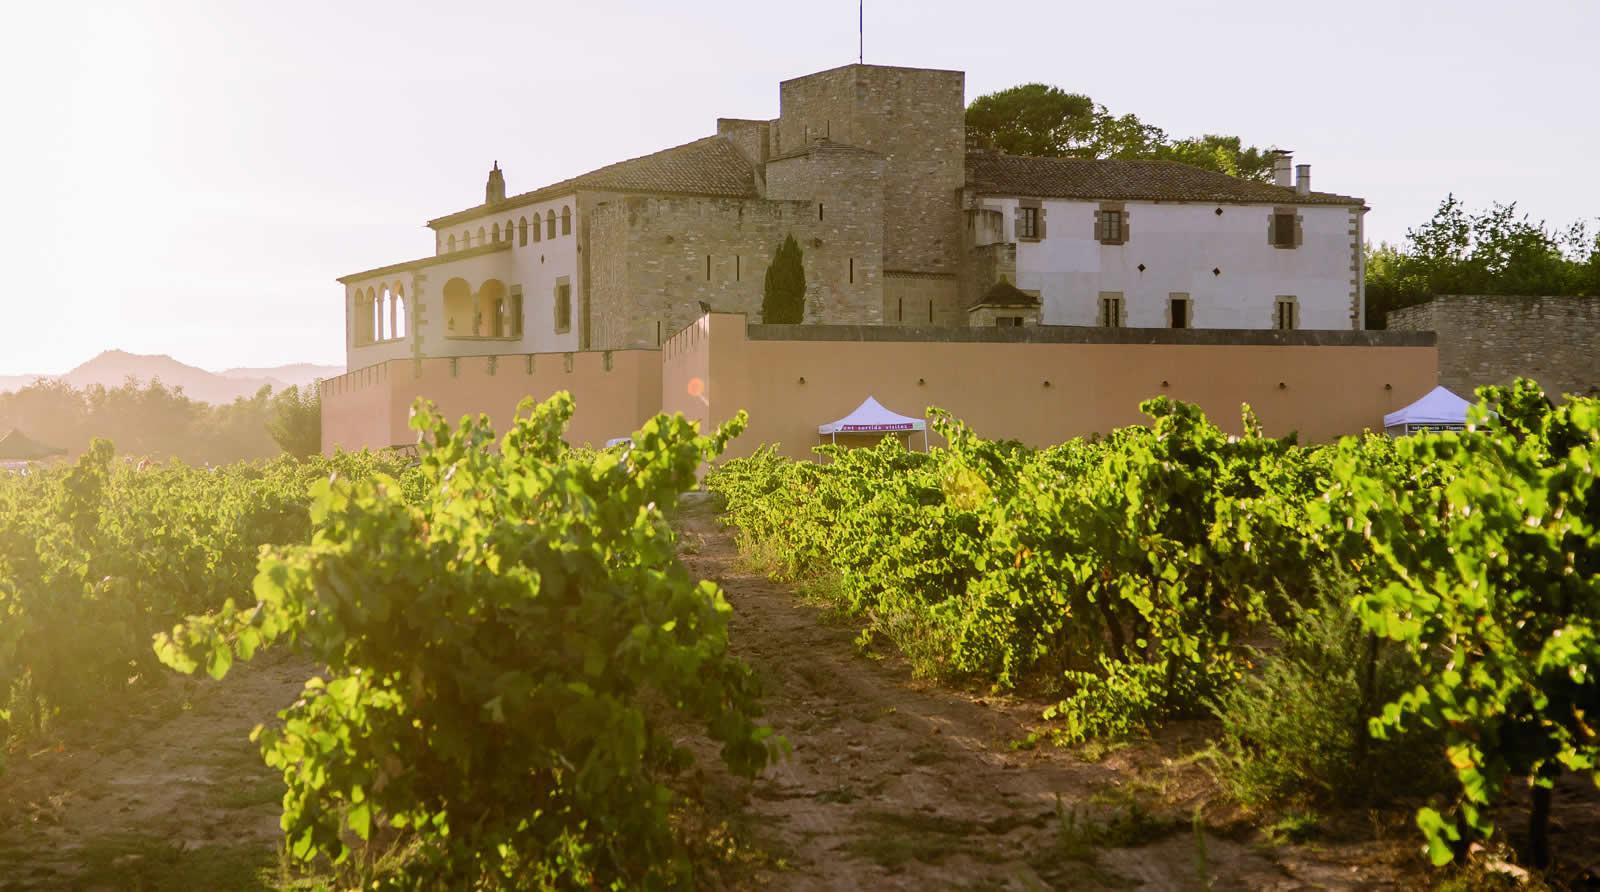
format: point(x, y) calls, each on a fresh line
point(173, 795)
point(897, 785)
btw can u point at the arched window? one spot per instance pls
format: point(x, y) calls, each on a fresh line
point(497, 233)
point(483, 236)
point(458, 307)
point(522, 232)
point(489, 315)
point(466, 240)
point(550, 224)
point(566, 220)
point(452, 243)
point(508, 230)
point(397, 312)
point(361, 318)
point(536, 227)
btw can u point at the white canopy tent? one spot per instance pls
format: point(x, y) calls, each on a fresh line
point(872, 418)
point(1439, 410)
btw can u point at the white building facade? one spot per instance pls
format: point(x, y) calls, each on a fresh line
point(1150, 244)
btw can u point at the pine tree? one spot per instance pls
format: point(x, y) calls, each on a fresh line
point(783, 301)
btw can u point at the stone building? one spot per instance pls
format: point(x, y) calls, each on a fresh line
point(869, 168)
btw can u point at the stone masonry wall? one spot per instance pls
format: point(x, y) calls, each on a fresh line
point(664, 274)
point(1491, 339)
point(915, 119)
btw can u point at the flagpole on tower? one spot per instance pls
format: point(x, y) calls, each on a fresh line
point(861, 31)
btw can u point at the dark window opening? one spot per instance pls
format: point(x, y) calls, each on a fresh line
point(563, 307)
point(930, 311)
point(852, 270)
point(1111, 228)
point(1008, 321)
point(900, 310)
point(522, 233)
point(708, 267)
point(1180, 313)
point(819, 210)
point(736, 267)
point(1111, 312)
point(566, 221)
point(516, 314)
point(1284, 319)
point(1028, 223)
point(1283, 230)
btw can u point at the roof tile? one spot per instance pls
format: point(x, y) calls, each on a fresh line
point(993, 173)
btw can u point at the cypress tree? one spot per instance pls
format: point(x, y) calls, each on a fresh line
point(783, 301)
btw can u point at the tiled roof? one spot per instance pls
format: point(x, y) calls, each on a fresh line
point(1005, 294)
point(710, 166)
point(993, 173)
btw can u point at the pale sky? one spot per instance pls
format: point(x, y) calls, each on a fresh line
point(190, 177)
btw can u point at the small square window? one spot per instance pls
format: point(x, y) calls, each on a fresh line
point(1027, 223)
point(1286, 314)
point(1112, 230)
point(1111, 310)
point(1283, 226)
point(563, 305)
point(1008, 321)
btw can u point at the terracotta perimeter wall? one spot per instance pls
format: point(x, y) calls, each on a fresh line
point(999, 388)
point(615, 392)
point(1040, 386)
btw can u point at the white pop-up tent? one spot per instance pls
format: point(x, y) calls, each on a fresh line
point(872, 418)
point(1439, 410)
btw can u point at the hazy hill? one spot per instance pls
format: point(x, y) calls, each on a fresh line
point(113, 367)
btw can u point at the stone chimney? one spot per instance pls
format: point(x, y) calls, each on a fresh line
point(1282, 167)
point(495, 190)
point(1302, 178)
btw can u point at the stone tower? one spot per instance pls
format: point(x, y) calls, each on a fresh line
point(495, 190)
point(915, 120)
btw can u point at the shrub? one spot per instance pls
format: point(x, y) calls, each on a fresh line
point(501, 658)
point(1295, 731)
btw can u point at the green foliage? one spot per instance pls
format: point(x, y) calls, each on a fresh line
point(1046, 121)
point(1486, 569)
point(783, 298)
point(1121, 568)
point(150, 420)
point(1126, 570)
point(1496, 251)
point(1280, 746)
point(296, 422)
point(98, 556)
point(501, 657)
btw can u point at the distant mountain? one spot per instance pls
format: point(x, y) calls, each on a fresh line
point(114, 367)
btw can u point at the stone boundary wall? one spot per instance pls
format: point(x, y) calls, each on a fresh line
point(1492, 339)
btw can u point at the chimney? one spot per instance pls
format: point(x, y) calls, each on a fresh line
point(495, 189)
point(1302, 178)
point(1282, 161)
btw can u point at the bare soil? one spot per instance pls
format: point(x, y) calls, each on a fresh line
point(167, 793)
point(897, 784)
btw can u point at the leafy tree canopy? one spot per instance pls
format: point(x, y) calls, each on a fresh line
point(296, 422)
point(1497, 251)
point(1038, 119)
